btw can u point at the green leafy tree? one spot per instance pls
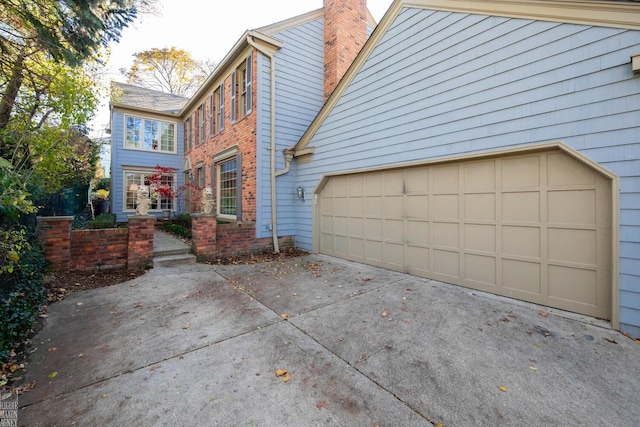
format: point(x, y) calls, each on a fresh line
point(169, 70)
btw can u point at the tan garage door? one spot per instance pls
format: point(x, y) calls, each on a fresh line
point(536, 227)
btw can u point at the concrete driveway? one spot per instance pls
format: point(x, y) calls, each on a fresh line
point(199, 345)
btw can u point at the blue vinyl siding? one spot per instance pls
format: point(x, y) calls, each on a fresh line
point(442, 84)
point(130, 159)
point(299, 97)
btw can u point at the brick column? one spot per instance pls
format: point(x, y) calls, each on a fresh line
point(55, 237)
point(203, 235)
point(140, 246)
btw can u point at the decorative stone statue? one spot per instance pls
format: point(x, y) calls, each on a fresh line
point(143, 202)
point(207, 200)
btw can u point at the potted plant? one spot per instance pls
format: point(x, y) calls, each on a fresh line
point(100, 201)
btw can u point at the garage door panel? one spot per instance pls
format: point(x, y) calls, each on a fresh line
point(373, 228)
point(356, 227)
point(572, 246)
point(417, 260)
point(394, 206)
point(520, 172)
point(480, 175)
point(480, 207)
point(572, 207)
point(480, 270)
point(534, 226)
point(356, 185)
point(417, 207)
point(356, 248)
point(416, 232)
point(417, 181)
point(521, 241)
point(573, 284)
point(446, 263)
point(393, 230)
point(340, 225)
point(446, 178)
point(445, 206)
point(521, 207)
point(394, 182)
point(355, 206)
point(394, 255)
point(480, 237)
point(373, 251)
point(373, 184)
point(374, 206)
point(446, 234)
point(563, 170)
point(522, 276)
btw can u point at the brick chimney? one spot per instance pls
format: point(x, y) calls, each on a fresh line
point(345, 32)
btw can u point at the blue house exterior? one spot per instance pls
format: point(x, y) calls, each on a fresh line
point(146, 132)
point(453, 118)
point(232, 134)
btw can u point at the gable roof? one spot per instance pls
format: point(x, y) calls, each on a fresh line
point(614, 13)
point(143, 99)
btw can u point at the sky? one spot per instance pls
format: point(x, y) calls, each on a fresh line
point(207, 29)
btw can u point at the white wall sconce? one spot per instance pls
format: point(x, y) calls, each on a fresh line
point(635, 64)
point(300, 192)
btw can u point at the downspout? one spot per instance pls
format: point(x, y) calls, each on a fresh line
point(274, 217)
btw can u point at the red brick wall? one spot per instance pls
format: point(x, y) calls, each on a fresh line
point(67, 249)
point(94, 249)
point(242, 134)
point(345, 32)
point(140, 246)
point(233, 239)
point(55, 237)
point(203, 235)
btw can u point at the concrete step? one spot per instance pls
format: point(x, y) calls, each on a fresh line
point(175, 259)
point(171, 251)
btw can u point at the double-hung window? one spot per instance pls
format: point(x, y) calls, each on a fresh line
point(148, 134)
point(241, 84)
point(201, 118)
point(133, 179)
point(212, 110)
point(219, 99)
point(228, 185)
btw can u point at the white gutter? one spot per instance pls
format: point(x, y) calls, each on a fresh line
point(274, 217)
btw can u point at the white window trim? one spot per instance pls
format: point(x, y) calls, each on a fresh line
point(175, 134)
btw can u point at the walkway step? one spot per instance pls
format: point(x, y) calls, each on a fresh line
point(171, 251)
point(175, 259)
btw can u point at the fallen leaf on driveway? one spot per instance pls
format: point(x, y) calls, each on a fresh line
point(285, 315)
point(611, 341)
point(503, 389)
point(187, 326)
point(52, 374)
point(544, 314)
point(138, 305)
point(321, 404)
point(533, 368)
point(52, 349)
point(78, 303)
point(384, 313)
point(286, 377)
point(280, 372)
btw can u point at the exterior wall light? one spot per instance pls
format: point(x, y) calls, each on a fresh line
point(635, 64)
point(300, 192)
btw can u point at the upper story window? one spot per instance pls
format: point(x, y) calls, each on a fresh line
point(148, 134)
point(201, 119)
point(218, 96)
point(241, 84)
point(212, 109)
